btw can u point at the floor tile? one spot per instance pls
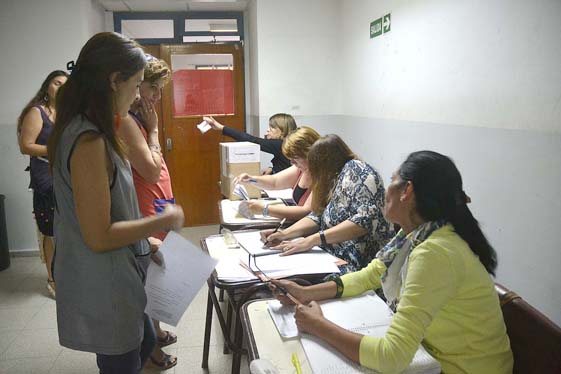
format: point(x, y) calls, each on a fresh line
point(27, 365)
point(70, 362)
point(16, 318)
point(34, 344)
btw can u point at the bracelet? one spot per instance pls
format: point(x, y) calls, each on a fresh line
point(265, 211)
point(337, 279)
point(155, 147)
point(322, 238)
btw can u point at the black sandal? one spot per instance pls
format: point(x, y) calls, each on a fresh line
point(167, 362)
point(168, 339)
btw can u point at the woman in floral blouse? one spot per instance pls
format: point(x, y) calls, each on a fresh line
point(346, 219)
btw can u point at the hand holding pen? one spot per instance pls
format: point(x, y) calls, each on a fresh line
point(244, 178)
point(268, 235)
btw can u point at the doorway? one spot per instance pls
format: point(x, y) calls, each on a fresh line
point(207, 79)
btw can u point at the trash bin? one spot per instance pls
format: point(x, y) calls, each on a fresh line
point(4, 251)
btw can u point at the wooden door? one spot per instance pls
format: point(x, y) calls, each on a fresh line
point(207, 80)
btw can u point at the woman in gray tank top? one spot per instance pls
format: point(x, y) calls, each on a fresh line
point(100, 247)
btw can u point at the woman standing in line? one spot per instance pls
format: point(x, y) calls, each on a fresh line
point(35, 124)
point(101, 251)
point(152, 182)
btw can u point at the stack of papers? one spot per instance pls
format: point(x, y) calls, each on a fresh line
point(228, 269)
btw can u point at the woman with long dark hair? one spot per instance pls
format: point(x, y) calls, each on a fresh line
point(101, 251)
point(347, 219)
point(435, 274)
point(35, 124)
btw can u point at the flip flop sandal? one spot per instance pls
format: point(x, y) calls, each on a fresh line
point(168, 339)
point(167, 362)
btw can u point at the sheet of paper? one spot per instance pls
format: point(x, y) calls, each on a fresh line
point(366, 315)
point(171, 288)
point(251, 242)
point(280, 194)
point(231, 214)
point(203, 127)
point(283, 317)
point(241, 191)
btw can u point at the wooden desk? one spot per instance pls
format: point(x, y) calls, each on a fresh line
point(263, 340)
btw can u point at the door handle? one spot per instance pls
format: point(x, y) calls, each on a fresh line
point(169, 144)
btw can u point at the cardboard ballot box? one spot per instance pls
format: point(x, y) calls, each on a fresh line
point(237, 158)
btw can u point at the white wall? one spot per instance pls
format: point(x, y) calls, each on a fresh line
point(478, 81)
point(37, 37)
point(474, 63)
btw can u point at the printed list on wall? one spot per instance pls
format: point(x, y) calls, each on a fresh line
point(381, 26)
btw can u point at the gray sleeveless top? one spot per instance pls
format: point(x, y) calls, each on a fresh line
point(100, 296)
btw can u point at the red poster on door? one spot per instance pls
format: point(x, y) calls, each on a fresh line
point(201, 92)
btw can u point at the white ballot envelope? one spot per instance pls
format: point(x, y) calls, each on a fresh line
point(171, 288)
point(203, 127)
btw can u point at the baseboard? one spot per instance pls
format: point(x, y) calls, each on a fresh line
point(25, 253)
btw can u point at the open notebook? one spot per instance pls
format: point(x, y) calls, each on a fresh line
point(366, 314)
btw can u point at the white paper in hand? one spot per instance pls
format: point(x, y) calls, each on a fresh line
point(171, 289)
point(203, 127)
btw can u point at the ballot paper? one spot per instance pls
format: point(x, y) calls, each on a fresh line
point(203, 127)
point(241, 191)
point(170, 288)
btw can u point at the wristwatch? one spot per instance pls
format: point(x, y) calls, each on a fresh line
point(265, 211)
point(322, 238)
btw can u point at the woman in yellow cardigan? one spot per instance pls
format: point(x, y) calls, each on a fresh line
point(435, 274)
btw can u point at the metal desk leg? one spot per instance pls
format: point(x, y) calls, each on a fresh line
point(226, 349)
point(208, 326)
point(238, 341)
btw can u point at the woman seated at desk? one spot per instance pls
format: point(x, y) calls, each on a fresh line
point(435, 272)
point(295, 147)
point(280, 125)
point(347, 219)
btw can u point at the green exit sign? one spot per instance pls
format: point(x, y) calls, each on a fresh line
point(381, 26)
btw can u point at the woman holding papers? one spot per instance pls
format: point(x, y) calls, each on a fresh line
point(280, 125)
point(435, 274)
point(347, 219)
point(98, 226)
point(295, 147)
point(152, 182)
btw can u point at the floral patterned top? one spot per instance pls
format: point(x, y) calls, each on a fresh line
point(358, 197)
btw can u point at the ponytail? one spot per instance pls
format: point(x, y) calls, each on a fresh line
point(439, 195)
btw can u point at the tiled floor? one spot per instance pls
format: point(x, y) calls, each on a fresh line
point(28, 331)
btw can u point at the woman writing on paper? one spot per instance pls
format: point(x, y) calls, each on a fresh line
point(152, 182)
point(347, 219)
point(100, 234)
point(295, 147)
point(280, 125)
point(435, 273)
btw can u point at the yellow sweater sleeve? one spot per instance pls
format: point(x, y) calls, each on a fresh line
point(363, 280)
point(430, 283)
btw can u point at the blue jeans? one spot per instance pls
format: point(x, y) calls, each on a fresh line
point(133, 361)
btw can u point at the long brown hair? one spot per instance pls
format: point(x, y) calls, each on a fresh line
point(41, 97)
point(88, 90)
point(326, 159)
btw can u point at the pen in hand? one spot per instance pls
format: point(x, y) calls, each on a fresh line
point(276, 229)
